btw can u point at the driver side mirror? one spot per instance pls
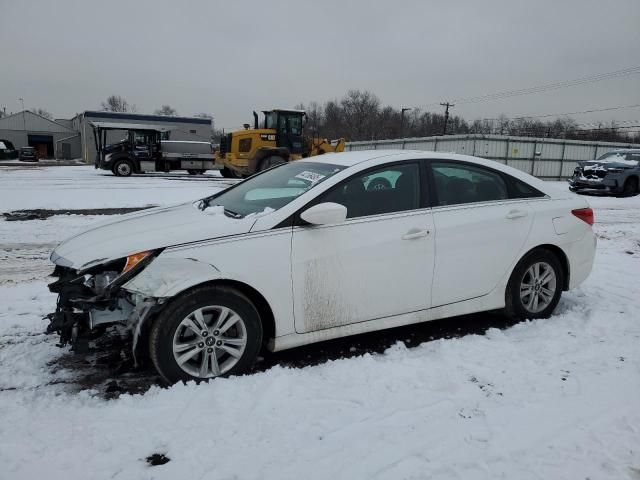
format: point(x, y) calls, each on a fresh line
point(325, 214)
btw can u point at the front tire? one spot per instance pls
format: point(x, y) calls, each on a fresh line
point(535, 286)
point(228, 173)
point(205, 333)
point(270, 162)
point(123, 168)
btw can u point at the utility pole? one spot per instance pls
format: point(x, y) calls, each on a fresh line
point(402, 110)
point(447, 105)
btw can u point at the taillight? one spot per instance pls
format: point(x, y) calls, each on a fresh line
point(584, 214)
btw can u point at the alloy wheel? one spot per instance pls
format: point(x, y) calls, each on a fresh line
point(538, 287)
point(209, 341)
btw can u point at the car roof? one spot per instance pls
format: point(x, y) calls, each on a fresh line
point(350, 159)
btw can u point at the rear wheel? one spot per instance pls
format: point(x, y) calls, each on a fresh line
point(206, 333)
point(228, 173)
point(270, 162)
point(535, 286)
point(123, 168)
point(630, 188)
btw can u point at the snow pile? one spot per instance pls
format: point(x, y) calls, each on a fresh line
point(214, 210)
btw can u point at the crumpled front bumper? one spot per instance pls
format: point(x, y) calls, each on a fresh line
point(606, 184)
point(81, 312)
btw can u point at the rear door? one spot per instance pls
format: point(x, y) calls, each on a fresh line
point(480, 230)
point(376, 264)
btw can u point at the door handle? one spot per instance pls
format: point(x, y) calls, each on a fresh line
point(415, 233)
point(517, 214)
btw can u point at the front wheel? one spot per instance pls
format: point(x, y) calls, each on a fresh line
point(535, 286)
point(228, 173)
point(123, 168)
point(270, 162)
point(206, 333)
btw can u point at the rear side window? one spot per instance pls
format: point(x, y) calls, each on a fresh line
point(523, 190)
point(458, 183)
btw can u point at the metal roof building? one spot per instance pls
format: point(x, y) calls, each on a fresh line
point(51, 139)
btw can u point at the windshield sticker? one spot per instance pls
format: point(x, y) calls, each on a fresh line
point(310, 176)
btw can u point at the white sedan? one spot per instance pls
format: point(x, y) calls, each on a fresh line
point(322, 248)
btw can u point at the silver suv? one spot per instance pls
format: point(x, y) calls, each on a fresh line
point(616, 172)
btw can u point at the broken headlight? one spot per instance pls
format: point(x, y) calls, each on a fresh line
point(104, 278)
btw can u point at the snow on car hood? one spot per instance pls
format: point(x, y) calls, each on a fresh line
point(147, 230)
point(614, 161)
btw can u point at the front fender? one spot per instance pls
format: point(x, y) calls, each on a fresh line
point(166, 277)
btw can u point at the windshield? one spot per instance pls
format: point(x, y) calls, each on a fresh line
point(270, 120)
point(627, 158)
point(273, 189)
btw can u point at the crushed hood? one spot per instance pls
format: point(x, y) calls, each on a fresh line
point(605, 164)
point(146, 230)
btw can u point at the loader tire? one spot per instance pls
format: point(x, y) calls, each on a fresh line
point(269, 162)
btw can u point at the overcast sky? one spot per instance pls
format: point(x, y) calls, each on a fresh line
point(231, 57)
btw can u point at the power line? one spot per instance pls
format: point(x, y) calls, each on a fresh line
point(546, 115)
point(549, 86)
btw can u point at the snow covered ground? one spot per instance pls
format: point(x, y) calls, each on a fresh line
point(552, 399)
point(85, 187)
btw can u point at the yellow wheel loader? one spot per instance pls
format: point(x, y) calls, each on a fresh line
point(281, 139)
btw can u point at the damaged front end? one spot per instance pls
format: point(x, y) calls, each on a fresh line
point(89, 300)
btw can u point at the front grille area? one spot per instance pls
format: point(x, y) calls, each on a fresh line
point(590, 173)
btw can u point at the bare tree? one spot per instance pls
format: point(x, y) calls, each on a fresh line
point(166, 110)
point(359, 115)
point(116, 103)
point(43, 113)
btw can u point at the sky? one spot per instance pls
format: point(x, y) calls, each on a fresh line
point(229, 58)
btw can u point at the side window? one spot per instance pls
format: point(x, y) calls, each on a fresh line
point(386, 190)
point(458, 183)
point(523, 190)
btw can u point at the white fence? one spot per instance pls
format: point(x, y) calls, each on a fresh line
point(542, 157)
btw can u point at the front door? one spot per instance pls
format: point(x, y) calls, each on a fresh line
point(376, 264)
point(289, 132)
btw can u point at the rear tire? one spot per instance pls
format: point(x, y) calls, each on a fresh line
point(269, 162)
point(123, 168)
point(535, 286)
point(209, 354)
